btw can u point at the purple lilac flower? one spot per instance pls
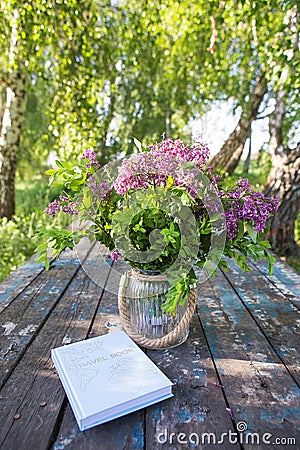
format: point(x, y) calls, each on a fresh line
point(70, 209)
point(244, 184)
point(235, 194)
point(214, 179)
point(209, 171)
point(53, 208)
point(90, 155)
point(231, 224)
point(248, 205)
point(115, 255)
point(212, 204)
point(63, 198)
point(101, 189)
point(257, 208)
point(67, 206)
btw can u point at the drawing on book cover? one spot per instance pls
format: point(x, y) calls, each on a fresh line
point(76, 359)
point(131, 372)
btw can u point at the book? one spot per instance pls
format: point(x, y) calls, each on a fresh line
point(107, 377)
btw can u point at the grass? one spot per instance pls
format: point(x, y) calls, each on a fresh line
point(17, 236)
point(34, 195)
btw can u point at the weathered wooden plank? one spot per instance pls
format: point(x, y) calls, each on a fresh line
point(198, 405)
point(17, 281)
point(24, 317)
point(119, 434)
point(254, 379)
point(196, 416)
point(34, 380)
point(285, 278)
point(124, 433)
point(275, 315)
point(258, 388)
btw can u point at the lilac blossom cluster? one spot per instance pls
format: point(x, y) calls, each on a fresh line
point(115, 255)
point(171, 158)
point(242, 203)
point(66, 205)
point(198, 153)
point(165, 159)
point(90, 156)
point(101, 189)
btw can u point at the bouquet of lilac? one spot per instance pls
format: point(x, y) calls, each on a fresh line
point(161, 209)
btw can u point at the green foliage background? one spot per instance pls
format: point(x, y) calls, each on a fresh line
point(99, 73)
point(17, 236)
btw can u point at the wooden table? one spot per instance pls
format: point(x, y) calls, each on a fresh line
point(239, 367)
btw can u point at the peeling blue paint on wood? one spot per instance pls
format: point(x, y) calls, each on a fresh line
point(275, 416)
point(138, 435)
point(65, 441)
point(156, 412)
point(287, 277)
point(17, 281)
point(64, 263)
point(201, 417)
point(184, 414)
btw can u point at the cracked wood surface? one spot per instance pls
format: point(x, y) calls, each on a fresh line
point(239, 364)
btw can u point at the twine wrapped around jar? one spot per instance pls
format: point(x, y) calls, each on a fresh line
point(166, 340)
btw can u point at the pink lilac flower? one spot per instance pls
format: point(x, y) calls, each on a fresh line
point(165, 159)
point(115, 255)
point(198, 153)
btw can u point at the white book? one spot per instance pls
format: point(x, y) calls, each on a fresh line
point(107, 377)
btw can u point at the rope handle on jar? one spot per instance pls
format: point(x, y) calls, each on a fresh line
point(164, 341)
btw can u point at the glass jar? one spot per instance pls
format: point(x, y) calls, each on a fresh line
point(145, 293)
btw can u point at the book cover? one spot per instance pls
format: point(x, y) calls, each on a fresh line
point(108, 376)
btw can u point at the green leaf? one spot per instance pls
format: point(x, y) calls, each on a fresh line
point(51, 172)
point(87, 199)
point(240, 229)
point(252, 233)
point(170, 182)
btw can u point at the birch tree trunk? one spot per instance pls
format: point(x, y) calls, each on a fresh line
point(10, 135)
point(12, 118)
point(228, 157)
point(284, 183)
point(275, 125)
point(284, 178)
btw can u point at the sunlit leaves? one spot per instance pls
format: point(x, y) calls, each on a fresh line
point(113, 70)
